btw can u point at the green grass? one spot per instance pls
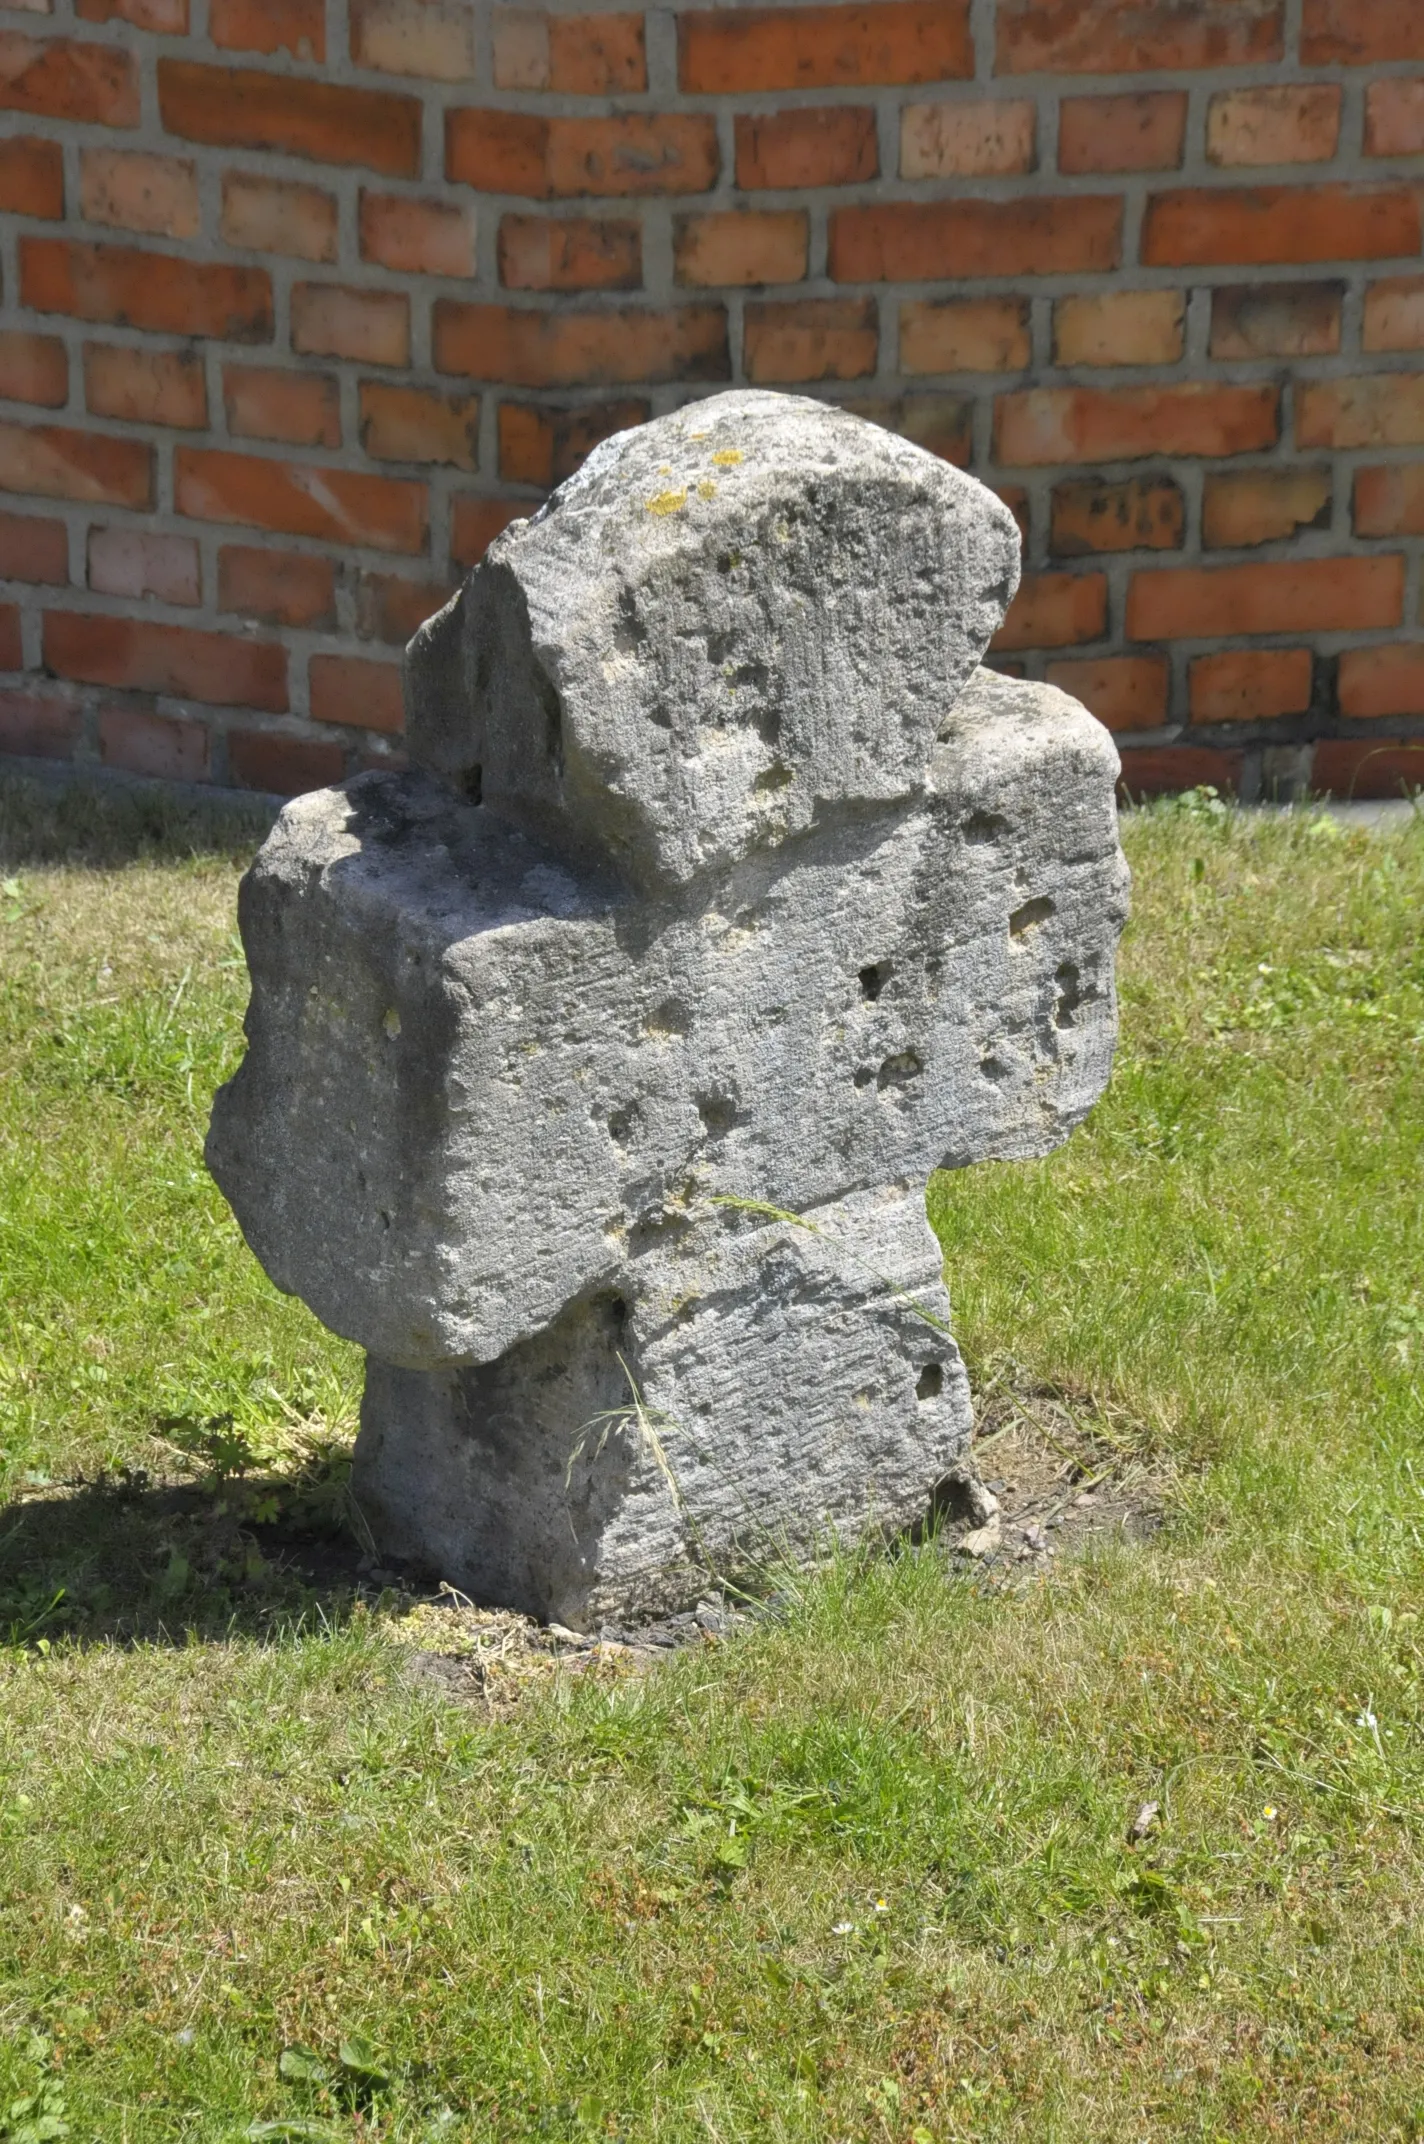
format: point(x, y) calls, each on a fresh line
point(862, 1874)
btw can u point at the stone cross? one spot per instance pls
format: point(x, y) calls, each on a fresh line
point(596, 1067)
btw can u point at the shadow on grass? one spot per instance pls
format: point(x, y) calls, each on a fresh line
point(100, 825)
point(127, 1560)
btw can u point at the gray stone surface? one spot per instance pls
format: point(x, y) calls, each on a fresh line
point(726, 627)
point(757, 1391)
point(773, 895)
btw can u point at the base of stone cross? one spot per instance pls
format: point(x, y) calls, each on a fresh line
point(752, 1389)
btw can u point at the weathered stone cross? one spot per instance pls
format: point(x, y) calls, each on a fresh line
point(595, 1069)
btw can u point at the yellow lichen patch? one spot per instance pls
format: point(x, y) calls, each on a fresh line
point(707, 489)
point(668, 502)
point(727, 457)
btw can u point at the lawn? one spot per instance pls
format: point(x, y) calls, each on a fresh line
point(861, 1871)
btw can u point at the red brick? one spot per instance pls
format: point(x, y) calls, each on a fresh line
point(1394, 314)
point(968, 141)
point(283, 766)
point(1276, 319)
point(31, 177)
point(630, 153)
point(140, 562)
point(1390, 502)
point(415, 424)
point(1356, 33)
point(1394, 118)
point(1359, 769)
point(964, 335)
point(1166, 770)
point(941, 424)
point(165, 747)
point(1043, 425)
point(221, 668)
point(278, 216)
point(540, 445)
point(1248, 506)
point(354, 690)
point(417, 237)
point(57, 463)
point(294, 26)
point(302, 409)
point(1120, 327)
point(32, 549)
point(434, 39)
point(244, 108)
point(1383, 409)
point(525, 348)
point(139, 192)
point(65, 78)
point(1263, 225)
point(146, 386)
point(1303, 595)
point(829, 145)
point(1382, 681)
point(1140, 131)
point(390, 608)
point(1125, 692)
point(130, 288)
point(38, 725)
point(577, 55)
point(1108, 37)
point(812, 339)
point(1054, 610)
point(738, 247)
point(922, 241)
point(279, 587)
point(475, 522)
point(11, 652)
point(503, 152)
point(1289, 123)
point(1250, 685)
point(333, 320)
point(168, 16)
point(1145, 513)
point(33, 368)
point(739, 50)
point(572, 253)
point(333, 505)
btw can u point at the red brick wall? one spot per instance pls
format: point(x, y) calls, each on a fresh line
point(304, 300)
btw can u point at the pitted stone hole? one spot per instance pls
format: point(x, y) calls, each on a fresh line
point(865, 1076)
point(874, 978)
point(1070, 994)
point(624, 1124)
point(669, 1019)
point(1033, 912)
point(630, 635)
point(772, 778)
point(718, 1112)
point(729, 561)
point(994, 1068)
point(930, 1382)
point(982, 826)
point(472, 785)
point(899, 1070)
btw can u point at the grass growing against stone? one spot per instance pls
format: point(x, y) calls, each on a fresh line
point(862, 1873)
